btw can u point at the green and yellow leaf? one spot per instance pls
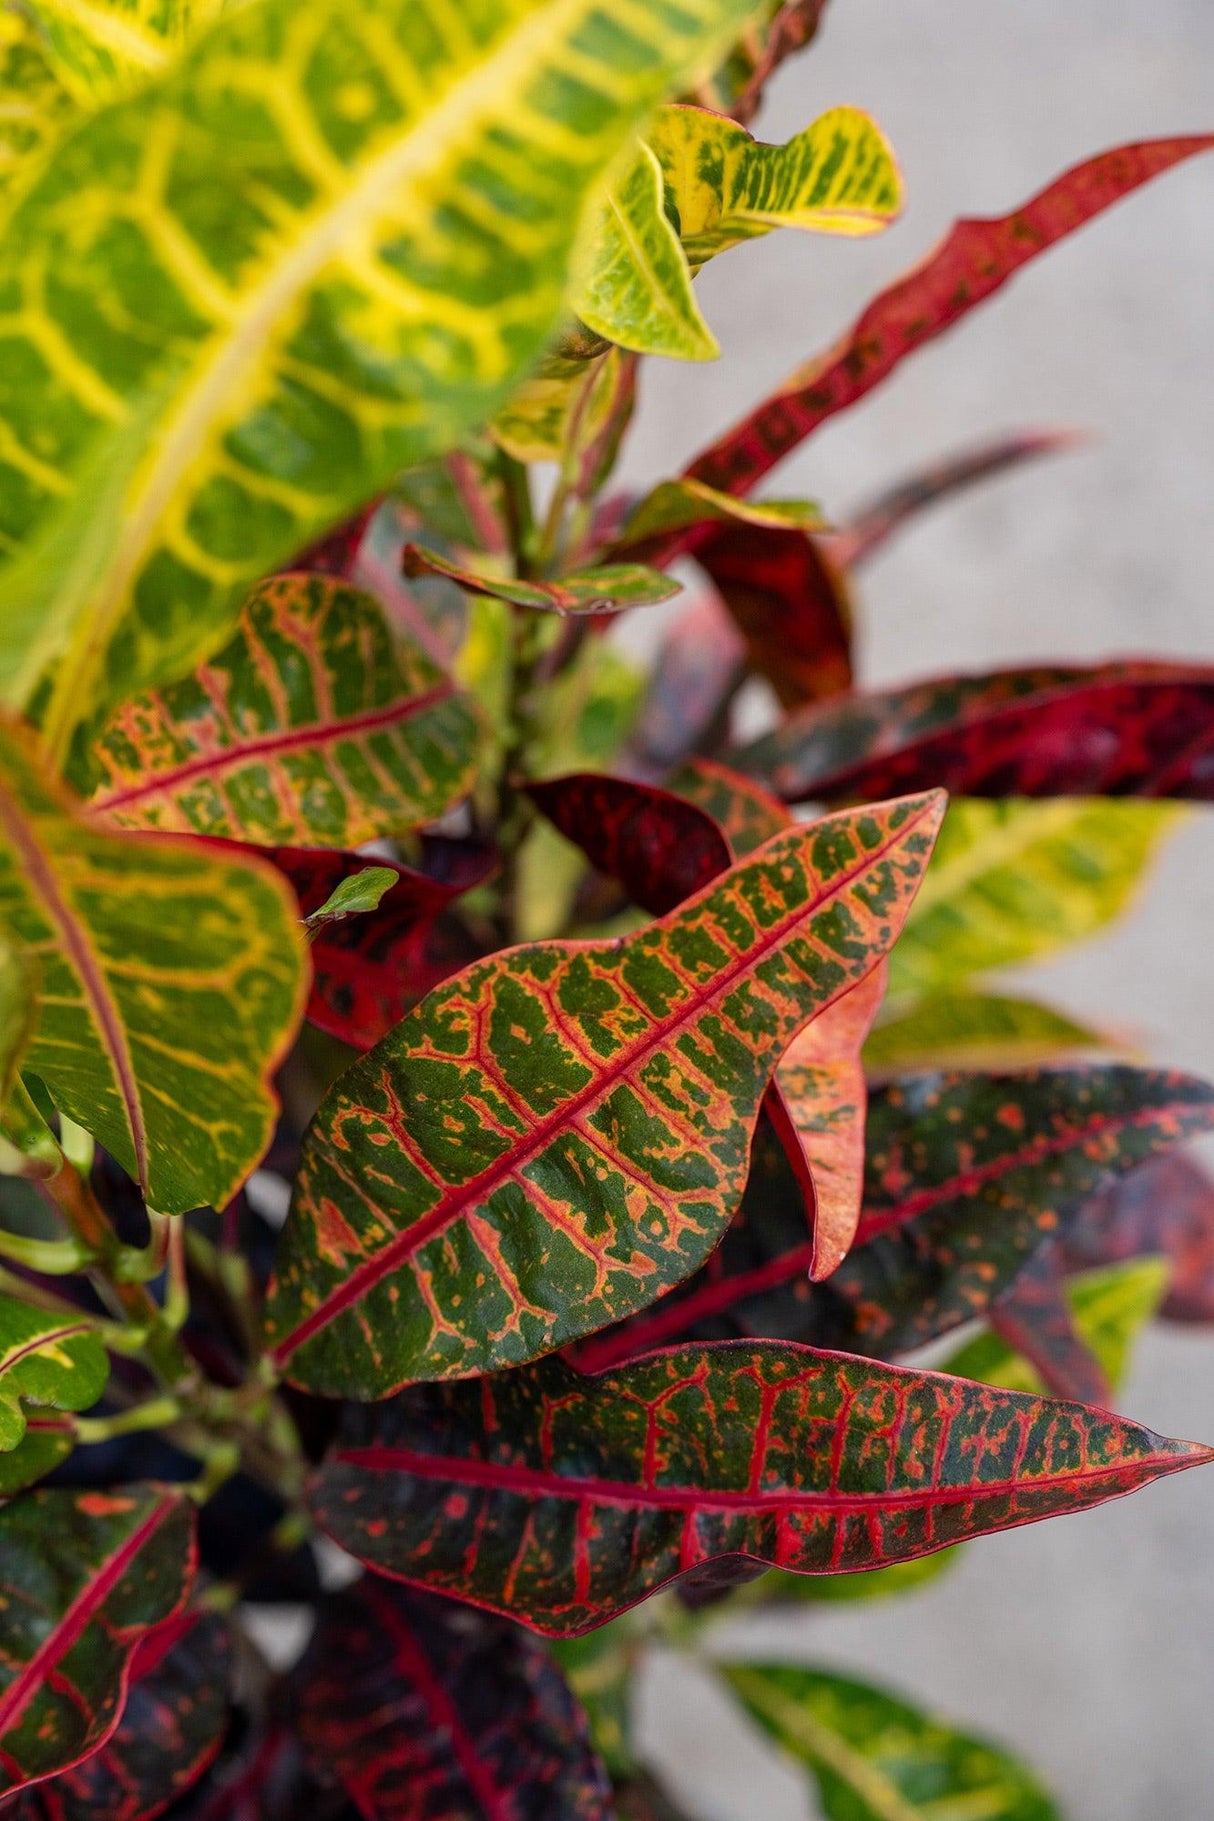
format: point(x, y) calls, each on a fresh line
point(674, 505)
point(57, 1362)
point(34, 105)
point(101, 48)
point(172, 980)
point(839, 176)
point(313, 251)
point(316, 726)
point(605, 589)
point(964, 1030)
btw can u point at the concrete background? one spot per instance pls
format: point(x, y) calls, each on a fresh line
point(1088, 1642)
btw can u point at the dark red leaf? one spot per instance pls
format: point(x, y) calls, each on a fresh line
point(1126, 729)
point(789, 603)
point(337, 553)
point(1166, 1208)
point(659, 847)
point(973, 261)
point(426, 1710)
point(1035, 1319)
point(700, 663)
point(563, 1500)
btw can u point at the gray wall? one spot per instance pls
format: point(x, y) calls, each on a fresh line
point(1090, 1641)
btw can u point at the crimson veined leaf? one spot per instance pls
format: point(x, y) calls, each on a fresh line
point(876, 1758)
point(1124, 729)
point(562, 1500)
point(172, 981)
point(607, 589)
point(84, 1578)
point(974, 260)
point(563, 1130)
point(317, 725)
point(417, 1705)
point(789, 601)
point(55, 1362)
point(746, 813)
point(965, 1177)
point(177, 1708)
point(658, 846)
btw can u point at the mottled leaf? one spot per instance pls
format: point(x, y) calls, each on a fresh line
point(351, 239)
point(53, 1361)
point(102, 47)
point(1165, 1208)
point(742, 809)
point(562, 1500)
point(839, 176)
point(822, 1082)
point(636, 290)
point(316, 725)
point(676, 505)
point(1127, 729)
point(173, 979)
point(789, 603)
point(602, 590)
point(1015, 880)
point(563, 1130)
point(965, 1177)
point(975, 259)
point(875, 1758)
point(962, 1030)
point(177, 1708)
point(86, 1577)
point(870, 529)
point(34, 105)
point(425, 1710)
point(659, 847)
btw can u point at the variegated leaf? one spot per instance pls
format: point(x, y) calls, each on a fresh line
point(563, 1130)
point(789, 602)
point(606, 589)
point(746, 813)
point(963, 1030)
point(53, 1362)
point(676, 505)
point(100, 48)
point(34, 105)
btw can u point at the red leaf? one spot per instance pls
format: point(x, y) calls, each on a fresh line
point(563, 1500)
point(1167, 1207)
point(659, 847)
point(425, 1710)
point(972, 262)
point(337, 552)
point(1126, 729)
point(790, 604)
point(699, 665)
point(1035, 1319)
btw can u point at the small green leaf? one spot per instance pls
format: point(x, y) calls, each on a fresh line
point(839, 176)
point(603, 590)
point(877, 1759)
point(674, 505)
point(54, 1361)
point(964, 1030)
point(1013, 880)
point(360, 892)
point(637, 289)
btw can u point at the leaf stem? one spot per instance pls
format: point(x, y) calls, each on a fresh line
point(157, 1413)
point(50, 1257)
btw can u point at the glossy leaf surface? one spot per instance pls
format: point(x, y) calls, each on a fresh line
point(177, 1708)
point(965, 1177)
point(1166, 1208)
point(975, 258)
point(564, 1129)
point(86, 1576)
point(563, 1500)
point(1127, 729)
point(963, 1030)
point(876, 1758)
point(637, 291)
point(659, 847)
point(426, 1710)
point(172, 982)
point(601, 590)
point(315, 726)
point(789, 603)
point(48, 1360)
point(839, 176)
point(302, 316)
point(1015, 880)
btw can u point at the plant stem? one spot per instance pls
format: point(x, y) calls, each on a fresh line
point(50, 1257)
point(157, 1413)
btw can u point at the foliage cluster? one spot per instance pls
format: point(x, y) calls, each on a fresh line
point(641, 1095)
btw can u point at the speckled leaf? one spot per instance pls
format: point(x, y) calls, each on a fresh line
point(1165, 1208)
point(86, 1577)
point(839, 176)
point(975, 259)
point(53, 1361)
point(636, 289)
point(34, 105)
point(328, 276)
point(562, 1500)
point(425, 1710)
point(1132, 729)
point(822, 1081)
point(316, 725)
point(177, 1709)
point(1015, 880)
point(602, 590)
point(173, 979)
point(746, 813)
point(965, 1177)
point(676, 505)
point(875, 1758)
point(659, 847)
point(790, 604)
point(961, 1030)
point(564, 1129)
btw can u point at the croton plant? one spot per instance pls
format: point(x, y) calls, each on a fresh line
point(477, 1136)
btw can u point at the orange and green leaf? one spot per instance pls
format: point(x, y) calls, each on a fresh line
point(562, 1131)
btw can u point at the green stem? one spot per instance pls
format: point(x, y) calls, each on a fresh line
point(157, 1413)
point(51, 1257)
